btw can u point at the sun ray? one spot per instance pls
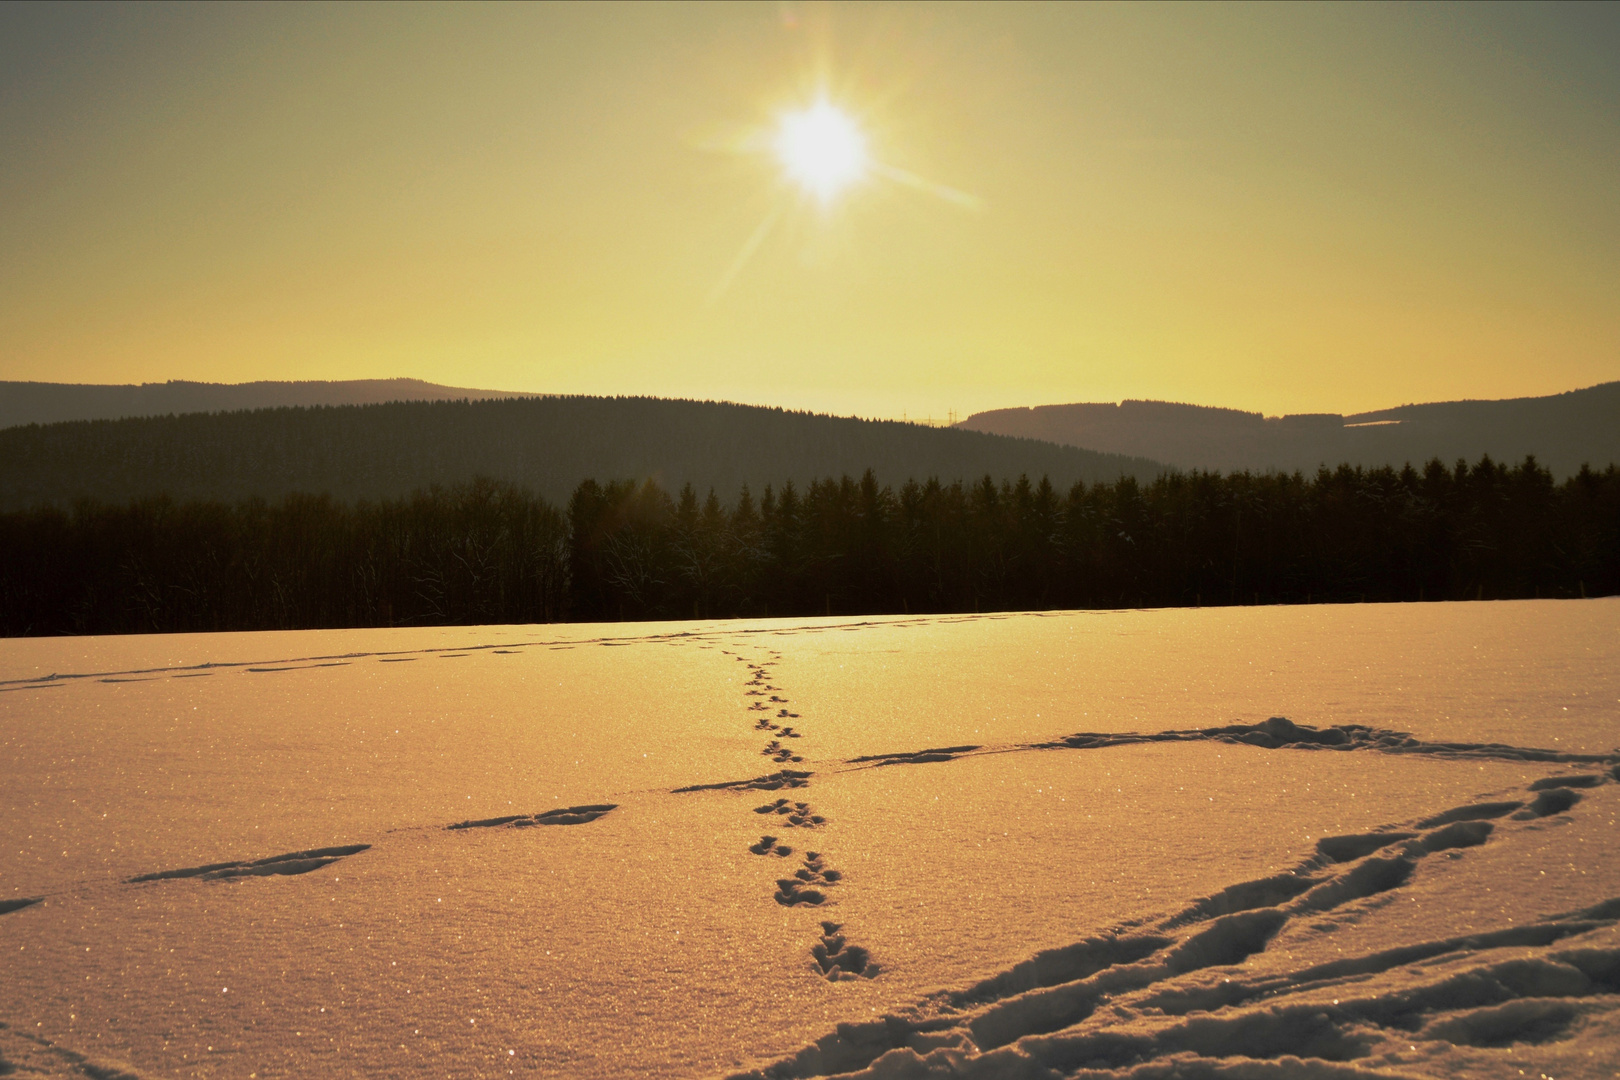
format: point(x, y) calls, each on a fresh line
point(750, 246)
point(960, 198)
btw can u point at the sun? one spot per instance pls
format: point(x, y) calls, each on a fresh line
point(821, 150)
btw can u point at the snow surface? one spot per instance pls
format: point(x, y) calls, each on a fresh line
point(1055, 844)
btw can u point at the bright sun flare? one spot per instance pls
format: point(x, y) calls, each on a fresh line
point(821, 149)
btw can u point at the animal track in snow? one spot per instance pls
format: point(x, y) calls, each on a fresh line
point(296, 862)
point(1153, 998)
point(808, 884)
point(768, 846)
point(796, 815)
point(566, 815)
point(834, 958)
point(777, 752)
point(839, 960)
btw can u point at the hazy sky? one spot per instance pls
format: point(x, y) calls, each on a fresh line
point(1283, 208)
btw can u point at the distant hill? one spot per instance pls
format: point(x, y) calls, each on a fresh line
point(547, 444)
point(50, 403)
point(1563, 431)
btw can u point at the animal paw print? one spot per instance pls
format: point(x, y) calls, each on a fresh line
point(808, 884)
point(839, 960)
point(787, 733)
point(784, 714)
point(798, 814)
point(768, 846)
point(777, 752)
point(764, 724)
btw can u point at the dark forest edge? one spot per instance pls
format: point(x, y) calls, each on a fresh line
point(489, 552)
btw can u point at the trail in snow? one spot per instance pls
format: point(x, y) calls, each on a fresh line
point(1176, 998)
point(1231, 983)
point(811, 883)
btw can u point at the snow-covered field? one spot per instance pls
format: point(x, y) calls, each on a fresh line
point(1058, 844)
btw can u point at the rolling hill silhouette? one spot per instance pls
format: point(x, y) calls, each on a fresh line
point(1564, 431)
point(52, 403)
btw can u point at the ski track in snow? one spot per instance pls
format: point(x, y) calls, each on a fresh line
point(25, 1054)
point(1169, 998)
point(511, 648)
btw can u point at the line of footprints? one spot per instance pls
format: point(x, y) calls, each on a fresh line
point(758, 686)
point(834, 958)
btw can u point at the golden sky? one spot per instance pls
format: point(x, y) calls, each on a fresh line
point(1281, 208)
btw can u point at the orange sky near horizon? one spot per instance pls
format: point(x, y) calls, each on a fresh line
point(1285, 209)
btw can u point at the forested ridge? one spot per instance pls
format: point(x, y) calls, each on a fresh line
point(490, 552)
point(1564, 431)
point(546, 445)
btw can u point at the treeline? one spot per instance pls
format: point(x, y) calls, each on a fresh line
point(491, 553)
point(477, 553)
